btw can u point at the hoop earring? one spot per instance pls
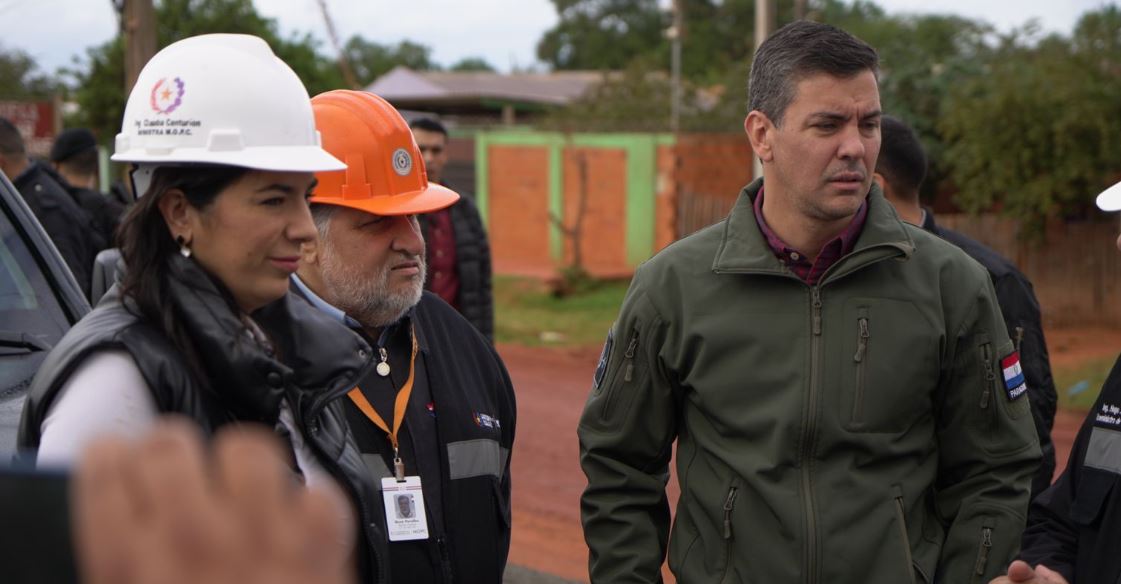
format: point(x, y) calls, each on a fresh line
point(184, 249)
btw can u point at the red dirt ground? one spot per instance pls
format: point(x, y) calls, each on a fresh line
point(552, 385)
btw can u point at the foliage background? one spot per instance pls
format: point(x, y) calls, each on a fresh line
point(1022, 123)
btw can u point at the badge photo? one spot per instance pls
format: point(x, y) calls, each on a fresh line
point(405, 518)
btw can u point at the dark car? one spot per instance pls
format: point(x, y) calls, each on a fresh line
point(39, 301)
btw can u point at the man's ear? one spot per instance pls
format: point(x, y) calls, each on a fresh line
point(879, 178)
point(177, 213)
point(309, 252)
point(760, 132)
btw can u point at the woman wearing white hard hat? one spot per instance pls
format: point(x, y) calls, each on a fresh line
point(223, 144)
point(1074, 526)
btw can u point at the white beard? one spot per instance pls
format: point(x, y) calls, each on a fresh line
point(368, 299)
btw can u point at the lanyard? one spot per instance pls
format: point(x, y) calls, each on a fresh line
point(399, 406)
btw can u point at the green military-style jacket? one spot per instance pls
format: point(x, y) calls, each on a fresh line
point(856, 431)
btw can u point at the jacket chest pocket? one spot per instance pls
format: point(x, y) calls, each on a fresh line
point(887, 366)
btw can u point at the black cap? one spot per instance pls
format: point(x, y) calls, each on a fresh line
point(71, 142)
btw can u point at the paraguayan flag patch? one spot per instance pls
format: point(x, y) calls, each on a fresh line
point(1013, 376)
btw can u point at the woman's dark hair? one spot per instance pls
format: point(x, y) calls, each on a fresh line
point(147, 244)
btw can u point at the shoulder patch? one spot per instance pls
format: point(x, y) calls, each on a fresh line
point(604, 358)
point(1014, 383)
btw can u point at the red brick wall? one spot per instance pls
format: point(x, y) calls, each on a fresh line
point(665, 203)
point(519, 210)
point(709, 168)
point(713, 164)
point(604, 231)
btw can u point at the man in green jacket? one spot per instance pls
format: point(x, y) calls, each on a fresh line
point(846, 402)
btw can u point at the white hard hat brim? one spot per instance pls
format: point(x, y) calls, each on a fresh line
point(277, 158)
point(1110, 199)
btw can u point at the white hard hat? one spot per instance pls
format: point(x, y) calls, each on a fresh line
point(221, 99)
point(1110, 199)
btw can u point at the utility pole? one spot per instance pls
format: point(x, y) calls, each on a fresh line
point(799, 9)
point(344, 63)
point(764, 25)
point(138, 24)
point(674, 33)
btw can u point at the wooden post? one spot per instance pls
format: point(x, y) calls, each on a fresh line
point(764, 25)
point(139, 28)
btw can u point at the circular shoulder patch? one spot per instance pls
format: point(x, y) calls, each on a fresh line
point(402, 162)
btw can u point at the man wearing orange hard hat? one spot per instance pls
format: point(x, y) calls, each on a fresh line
point(435, 418)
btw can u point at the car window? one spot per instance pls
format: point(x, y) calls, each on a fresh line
point(31, 318)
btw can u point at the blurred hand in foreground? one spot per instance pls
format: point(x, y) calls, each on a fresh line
point(1022, 573)
point(162, 509)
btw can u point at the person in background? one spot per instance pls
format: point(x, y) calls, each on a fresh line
point(458, 253)
point(74, 157)
point(900, 171)
point(202, 323)
point(68, 226)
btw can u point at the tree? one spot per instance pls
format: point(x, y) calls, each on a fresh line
point(472, 64)
point(371, 60)
point(603, 34)
point(97, 87)
point(20, 78)
point(1040, 131)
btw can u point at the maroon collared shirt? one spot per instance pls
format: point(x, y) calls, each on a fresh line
point(834, 250)
point(443, 280)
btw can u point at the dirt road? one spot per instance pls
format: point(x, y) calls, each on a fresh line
point(552, 385)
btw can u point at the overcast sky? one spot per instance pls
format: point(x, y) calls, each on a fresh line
point(504, 32)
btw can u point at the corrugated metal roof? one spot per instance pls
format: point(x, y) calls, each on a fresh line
point(559, 88)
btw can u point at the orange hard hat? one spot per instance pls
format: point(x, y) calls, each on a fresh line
point(384, 168)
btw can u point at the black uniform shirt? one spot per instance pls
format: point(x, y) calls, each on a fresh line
point(410, 561)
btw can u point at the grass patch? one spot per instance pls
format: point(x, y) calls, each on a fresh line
point(1079, 385)
point(527, 313)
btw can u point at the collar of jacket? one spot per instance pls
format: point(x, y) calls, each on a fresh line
point(312, 359)
point(928, 222)
point(743, 247)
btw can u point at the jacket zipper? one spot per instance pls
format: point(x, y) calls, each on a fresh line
point(445, 560)
point(629, 357)
point(1019, 338)
point(990, 375)
point(983, 551)
point(861, 368)
point(807, 419)
point(628, 375)
point(808, 438)
point(902, 522)
point(729, 505)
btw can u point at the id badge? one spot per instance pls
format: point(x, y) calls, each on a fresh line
point(405, 518)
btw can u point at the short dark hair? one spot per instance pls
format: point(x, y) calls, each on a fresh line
point(70, 142)
point(11, 142)
point(428, 125)
point(797, 50)
point(902, 160)
point(84, 162)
